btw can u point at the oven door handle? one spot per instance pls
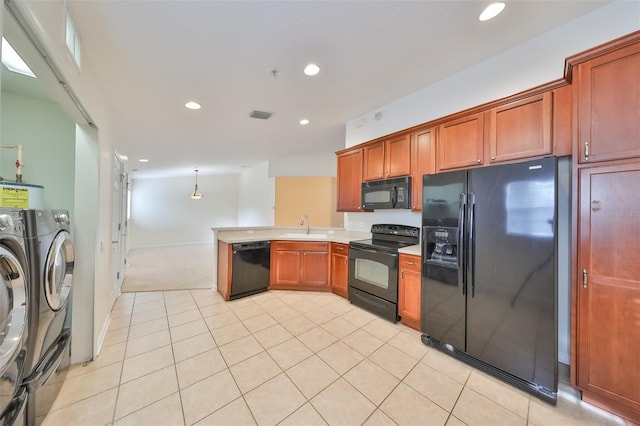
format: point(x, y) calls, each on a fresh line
point(355, 249)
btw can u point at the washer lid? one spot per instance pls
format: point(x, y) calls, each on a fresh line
point(12, 306)
point(58, 272)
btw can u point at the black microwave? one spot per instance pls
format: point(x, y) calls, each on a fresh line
point(387, 194)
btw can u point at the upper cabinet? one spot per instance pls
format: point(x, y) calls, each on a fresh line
point(608, 111)
point(461, 142)
point(520, 129)
point(423, 161)
point(350, 180)
point(387, 159)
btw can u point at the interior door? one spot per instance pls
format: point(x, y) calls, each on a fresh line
point(608, 290)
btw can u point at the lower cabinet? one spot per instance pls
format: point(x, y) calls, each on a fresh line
point(340, 269)
point(409, 282)
point(299, 265)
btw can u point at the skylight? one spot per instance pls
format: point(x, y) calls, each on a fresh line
point(13, 61)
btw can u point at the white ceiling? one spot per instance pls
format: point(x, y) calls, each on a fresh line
point(150, 57)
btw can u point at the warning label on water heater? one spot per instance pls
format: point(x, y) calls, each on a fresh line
point(17, 198)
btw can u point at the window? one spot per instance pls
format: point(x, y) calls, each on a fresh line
point(72, 39)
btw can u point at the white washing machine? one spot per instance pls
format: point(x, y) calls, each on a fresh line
point(51, 258)
point(14, 307)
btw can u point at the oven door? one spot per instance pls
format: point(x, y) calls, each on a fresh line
point(374, 272)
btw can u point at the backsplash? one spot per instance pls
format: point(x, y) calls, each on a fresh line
point(362, 221)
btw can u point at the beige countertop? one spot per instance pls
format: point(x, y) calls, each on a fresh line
point(414, 250)
point(249, 234)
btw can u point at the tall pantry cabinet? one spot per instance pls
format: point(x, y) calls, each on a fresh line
point(605, 352)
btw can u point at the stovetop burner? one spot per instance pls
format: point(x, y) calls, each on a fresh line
point(389, 238)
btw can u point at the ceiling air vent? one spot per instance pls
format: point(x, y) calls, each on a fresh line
point(260, 114)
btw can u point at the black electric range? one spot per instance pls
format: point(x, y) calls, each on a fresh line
point(373, 268)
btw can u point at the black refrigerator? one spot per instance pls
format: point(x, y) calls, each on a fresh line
point(489, 271)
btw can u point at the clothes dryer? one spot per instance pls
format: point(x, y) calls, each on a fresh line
point(51, 259)
point(14, 307)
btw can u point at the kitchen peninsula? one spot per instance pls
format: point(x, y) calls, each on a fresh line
point(317, 260)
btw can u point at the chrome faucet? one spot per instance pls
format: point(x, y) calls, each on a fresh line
point(302, 221)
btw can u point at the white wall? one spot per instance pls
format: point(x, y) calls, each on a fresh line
point(256, 196)
point(162, 213)
point(304, 165)
point(86, 272)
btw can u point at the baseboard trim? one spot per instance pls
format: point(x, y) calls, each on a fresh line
point(102, 335)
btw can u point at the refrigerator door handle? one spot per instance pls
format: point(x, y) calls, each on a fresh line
point(461, 251)
point(472, 242)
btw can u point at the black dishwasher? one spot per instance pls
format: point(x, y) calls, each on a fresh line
point(250, 268)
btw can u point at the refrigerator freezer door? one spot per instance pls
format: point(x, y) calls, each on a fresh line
point(443, 300)
point(511, 317)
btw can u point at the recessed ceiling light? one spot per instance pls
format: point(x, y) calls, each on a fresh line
point(304, 121)
point(192, 105)
point(311, 69)
point(143, 160)
point(491, 11)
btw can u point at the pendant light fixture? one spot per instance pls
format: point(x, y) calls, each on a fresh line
point(196, 195)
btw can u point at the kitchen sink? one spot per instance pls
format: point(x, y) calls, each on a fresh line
point(304, 236)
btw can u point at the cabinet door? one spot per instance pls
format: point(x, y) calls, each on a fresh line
point(423, 161)
point(609, 106)
point(460, 142)
point(314, 268)
point(520, 129)
point(398, 157)
point(562, 117)
point(409, 291)
point(350, 181)
point(285, 267)
point(608, 288)
point(374, 161)
point(340, 273)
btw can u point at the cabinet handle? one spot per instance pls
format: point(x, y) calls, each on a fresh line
point(585, 278)
point(345, 260)
point(478, 161)
point(339, 248)
point(493, 158)
point(586, 150)
point(410, 263)
point(402, 275)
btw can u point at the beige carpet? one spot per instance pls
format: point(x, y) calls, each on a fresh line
point(169, 268)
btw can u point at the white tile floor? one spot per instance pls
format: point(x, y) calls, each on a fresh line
point(290, 358)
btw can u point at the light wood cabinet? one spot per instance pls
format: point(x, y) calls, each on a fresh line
point(461, 142)
point(340, 269)
point(423, 161)
point(224, 269)
point(605, 321)
point(349, 171)
point(562, 134)
point(608, 105)
point(409, 284)
point(388, 159)
point(607, 290)
point(520, 129)
point(299, 265)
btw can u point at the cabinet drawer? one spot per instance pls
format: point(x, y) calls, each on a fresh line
point(410, 262)
point(340, 248)
point(300, 246)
